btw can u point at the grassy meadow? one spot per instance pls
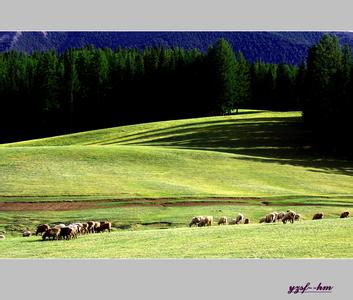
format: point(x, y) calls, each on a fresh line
point(307, 239)
point(254, 162)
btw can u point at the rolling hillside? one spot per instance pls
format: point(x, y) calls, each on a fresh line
point(253, 154)
point(148, 177)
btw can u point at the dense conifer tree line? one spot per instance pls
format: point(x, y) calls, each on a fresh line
point(45, 93)
point(327, 93)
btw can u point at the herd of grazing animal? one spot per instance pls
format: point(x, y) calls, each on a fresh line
point(67, 232)
point(288, 216)
point(201, 221)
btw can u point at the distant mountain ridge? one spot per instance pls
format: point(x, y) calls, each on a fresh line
point(270, 47)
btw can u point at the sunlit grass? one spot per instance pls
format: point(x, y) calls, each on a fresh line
point(251, 154)
point(259, 154)
point(309, 239)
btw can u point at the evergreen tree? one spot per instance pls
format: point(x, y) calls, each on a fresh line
point(242, 83)
point(71, 83)
point(222, 69)
point(324, 68)
point(324, 62)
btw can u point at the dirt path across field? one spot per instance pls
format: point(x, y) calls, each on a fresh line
point(92, 204)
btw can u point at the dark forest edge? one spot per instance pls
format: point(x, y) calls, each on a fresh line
point(46, 93)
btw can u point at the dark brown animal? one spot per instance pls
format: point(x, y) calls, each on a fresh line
point(66, 233)
point(42, 228)
point(280, 215)
point(195, 221)
point(318, 216)
point(288, 216)
point(246, 221)
point(268, 218)
point(203, 222)
point(105, 226)
point(344, 214)
point(223, 220)
point(51, 233)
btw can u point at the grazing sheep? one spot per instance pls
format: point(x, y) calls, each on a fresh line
point(26, 233)
point(297, 217)
point(195, 221)
point(275, 216)
point(42, 229)
point(96, 226)
point(263, 219)
point(232, 222)
point(280, 215)
point(318, 216)
point(84, 228)
point(2, 237)
point(66, 233)
point(75, 227)
point(78, 227)
point(222, 220)
point(73, 233)
point(209, 220)
point(105, 226)
point(270, 218)
point(51, 233)
point(60, 226)
point(288, 216)
point(205, 221)
point(202, 222)
point(91, 226)
point(344, 214)
point(239, 218)
point(246, 221)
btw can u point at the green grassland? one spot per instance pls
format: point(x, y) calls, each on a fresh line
point(329, 238)
point(262, 158)
point(254, 153)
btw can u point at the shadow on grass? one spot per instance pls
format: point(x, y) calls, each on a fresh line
point(282, 140)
